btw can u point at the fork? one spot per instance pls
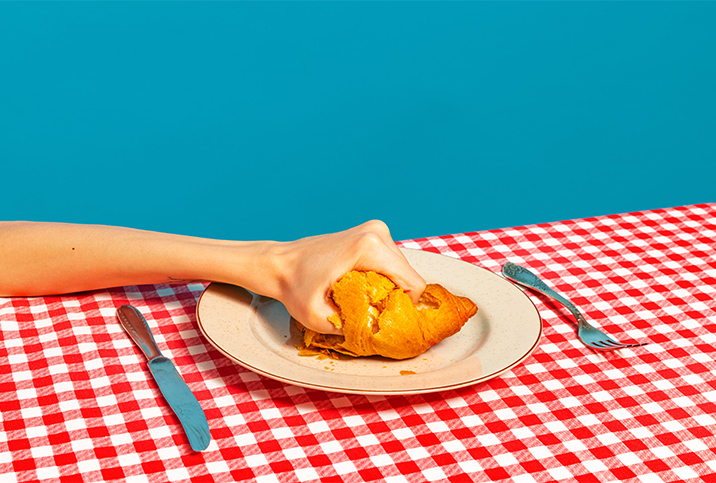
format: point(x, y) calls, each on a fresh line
point(589, 335)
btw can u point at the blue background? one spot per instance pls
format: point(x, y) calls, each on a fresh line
point(276, 120)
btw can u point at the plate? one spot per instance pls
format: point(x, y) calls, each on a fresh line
point(256, 332)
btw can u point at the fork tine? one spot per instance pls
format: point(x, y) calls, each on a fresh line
point(603, 341)
point(623, 344)
point(611, 342)
point(596, 339)
point(604, 346)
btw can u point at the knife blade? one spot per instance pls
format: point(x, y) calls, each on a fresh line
point(173, 388)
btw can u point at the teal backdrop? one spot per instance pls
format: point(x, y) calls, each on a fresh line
point(251, 120)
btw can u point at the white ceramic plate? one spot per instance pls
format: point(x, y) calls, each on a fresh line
point(256, 332)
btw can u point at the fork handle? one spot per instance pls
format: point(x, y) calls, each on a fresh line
point(524, 277)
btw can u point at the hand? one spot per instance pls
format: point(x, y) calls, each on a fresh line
point(314, 263)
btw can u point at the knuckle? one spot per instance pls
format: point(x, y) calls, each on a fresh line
point(313, 308)
point(377, 226)
point(369, 241)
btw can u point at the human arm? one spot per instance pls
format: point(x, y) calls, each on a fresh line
point(55, 258)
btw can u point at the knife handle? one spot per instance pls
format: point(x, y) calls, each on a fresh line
point(136, 326)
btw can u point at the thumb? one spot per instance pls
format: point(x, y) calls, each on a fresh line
point(317, 315)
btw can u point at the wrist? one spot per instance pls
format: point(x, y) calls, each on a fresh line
point(258, 266)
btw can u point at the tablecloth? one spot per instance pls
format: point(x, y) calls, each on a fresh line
point(78, 404)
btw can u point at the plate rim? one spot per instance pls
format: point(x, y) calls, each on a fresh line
point(379, 392)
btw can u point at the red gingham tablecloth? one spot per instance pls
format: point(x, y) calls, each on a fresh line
point(78, 404)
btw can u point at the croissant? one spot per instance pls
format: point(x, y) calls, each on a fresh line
point(378, 318)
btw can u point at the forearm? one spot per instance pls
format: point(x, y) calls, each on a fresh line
point(56, 258)
point(53, 258)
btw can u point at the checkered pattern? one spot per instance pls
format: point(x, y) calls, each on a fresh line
point(78, 404)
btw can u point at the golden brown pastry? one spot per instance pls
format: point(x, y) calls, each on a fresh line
point(378, 318)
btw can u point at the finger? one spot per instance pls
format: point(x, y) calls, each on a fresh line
point(381, 229)
point(411, 282)
point(404, 275)
point(316, 317)
point(415, 287)
point(398, 269)
point(318, 321)
point(392, 262)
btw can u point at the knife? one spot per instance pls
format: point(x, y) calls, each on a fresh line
point(175, 391)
